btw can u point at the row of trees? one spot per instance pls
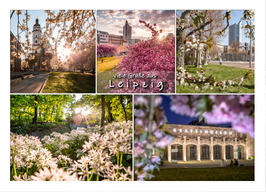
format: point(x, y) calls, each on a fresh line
point(56, 108)
point(109, 107)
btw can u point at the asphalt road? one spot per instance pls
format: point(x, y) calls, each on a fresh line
point(30, 85)
point(239, 64)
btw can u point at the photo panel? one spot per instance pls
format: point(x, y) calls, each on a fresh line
point(71, 137)
point(215, 51)
point(135, 51)
point(194, 138)
point(52, 51)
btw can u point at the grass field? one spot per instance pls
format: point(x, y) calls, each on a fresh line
point(245, 173)
point(108, 63)
point(104, 72)
point(220, 73)
point(69, 83)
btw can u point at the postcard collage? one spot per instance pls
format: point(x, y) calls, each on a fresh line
point(132, 95)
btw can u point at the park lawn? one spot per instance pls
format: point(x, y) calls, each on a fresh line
point(108, 63)
point(103, 80)
point(71, 83)
point(245, 173)
point(220, 72)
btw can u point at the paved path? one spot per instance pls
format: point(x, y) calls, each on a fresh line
point(30, 85)
point(203, 164)
point(240, 64)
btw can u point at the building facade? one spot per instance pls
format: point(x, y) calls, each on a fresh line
point(16, 48)
point(234, 33)
point(117, 40)
point(102, 37)
point(207, 143)
point(127, 31)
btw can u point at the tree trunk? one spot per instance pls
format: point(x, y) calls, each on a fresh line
point(103, 110)
point(121, 101)
point(181, 39)
point(206, 56)
point(34, 120)
point(110, 116)
point(198, 57)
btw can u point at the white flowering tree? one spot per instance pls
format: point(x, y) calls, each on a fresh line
point(63, 28)
point(249, 28)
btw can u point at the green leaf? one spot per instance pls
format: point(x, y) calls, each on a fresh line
point(143, 136)
point(196, 21)
point(201, 106)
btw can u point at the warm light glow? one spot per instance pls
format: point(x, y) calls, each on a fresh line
point(63, 53)
point(85, 112)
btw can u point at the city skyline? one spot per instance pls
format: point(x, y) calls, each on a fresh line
point(112, 21)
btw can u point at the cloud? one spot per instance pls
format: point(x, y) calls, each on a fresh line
point(115, 20)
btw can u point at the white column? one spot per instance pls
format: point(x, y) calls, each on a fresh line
point(185, 148)
point(169, 154)
point(246, 148)
point(211, 149)
point(198, 149)
point(223, 149)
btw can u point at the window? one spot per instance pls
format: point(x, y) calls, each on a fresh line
point(191, 131)
point(216, 132)
point(180, 130)
point(211, 131)
point(186, 131)
point(36, 41)
point(221, 132)
point(200, 131)
point(196, 131)
point(225, 132)
point(206, 131)
point(230, 132)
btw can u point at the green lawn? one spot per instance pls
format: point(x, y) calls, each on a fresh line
point(245, 173)
point(70, 83)
point(103, 80)
point(220, 73)
point(108, 63)
point(104, 72)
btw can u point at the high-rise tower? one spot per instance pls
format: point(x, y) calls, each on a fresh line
point(127, 31)
point(234, 33)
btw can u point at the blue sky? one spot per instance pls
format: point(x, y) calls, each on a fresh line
point(236, 15)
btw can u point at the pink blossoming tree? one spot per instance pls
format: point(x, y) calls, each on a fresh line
point(107, 50)
point(154, 57)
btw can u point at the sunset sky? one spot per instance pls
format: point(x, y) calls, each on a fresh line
point(112, 21)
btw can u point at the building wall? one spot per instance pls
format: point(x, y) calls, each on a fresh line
point(199, 136)
point(16, 62)
point(127, 31)
point(102, 37)
point(234, 33)
point(117, 40)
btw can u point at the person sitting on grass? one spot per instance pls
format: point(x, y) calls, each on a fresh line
point(236, 163)
point(223, 163)
point(232, 163)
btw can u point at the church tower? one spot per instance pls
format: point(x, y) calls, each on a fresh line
point(36, 35)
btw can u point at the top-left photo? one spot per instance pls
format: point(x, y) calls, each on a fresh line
point(52, 51)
